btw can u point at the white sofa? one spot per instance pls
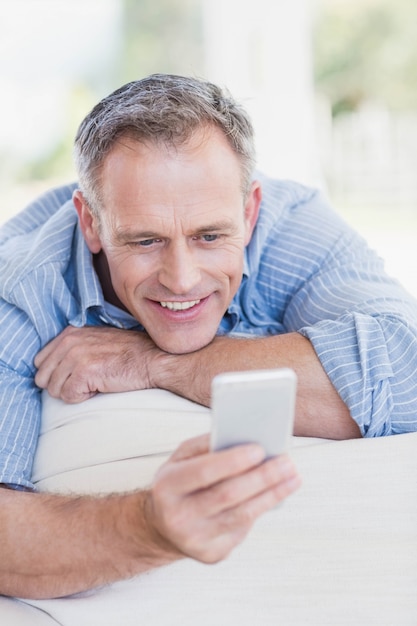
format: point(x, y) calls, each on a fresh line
point(342, 550)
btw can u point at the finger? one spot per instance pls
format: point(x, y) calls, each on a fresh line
point(75, 389)
point(193, 474)
point(58, 378)
point(246, 513)
point(52, 347)
point(45, 372)
point(52, 373)
point(234, 491)
point(226, 530)
point(191, 447)
point(44, 354)
point(70, 384)
point(52, 379)
point(54, 362)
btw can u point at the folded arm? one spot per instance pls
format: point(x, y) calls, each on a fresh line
point(320, 412)
point(81, 362)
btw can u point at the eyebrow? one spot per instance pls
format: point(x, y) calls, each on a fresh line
point(124, 236)
point(223, 225)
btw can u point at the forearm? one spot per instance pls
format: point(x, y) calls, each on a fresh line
point(320, 412)
point(54, 545)
point(200, 505)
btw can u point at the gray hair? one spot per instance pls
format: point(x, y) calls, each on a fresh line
point(160, 108)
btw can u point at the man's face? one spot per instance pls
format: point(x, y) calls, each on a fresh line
point(173, 227)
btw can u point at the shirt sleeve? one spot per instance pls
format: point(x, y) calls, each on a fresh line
point(361, 322)
point(20, 399)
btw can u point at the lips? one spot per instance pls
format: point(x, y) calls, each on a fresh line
point(179, 306)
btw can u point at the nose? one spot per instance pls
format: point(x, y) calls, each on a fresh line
point(180, 271)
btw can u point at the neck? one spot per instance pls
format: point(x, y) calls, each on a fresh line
point(103, 272)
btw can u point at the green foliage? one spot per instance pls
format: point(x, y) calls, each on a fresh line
point(158, 36)
point(367, 51)
point(59, 159)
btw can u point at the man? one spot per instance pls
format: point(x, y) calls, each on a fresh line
point(172, 263)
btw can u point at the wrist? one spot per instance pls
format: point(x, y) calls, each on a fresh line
point(152, 547)
point(184, 375)
point(164, 371)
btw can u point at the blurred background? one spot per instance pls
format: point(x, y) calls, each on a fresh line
point(331, 86)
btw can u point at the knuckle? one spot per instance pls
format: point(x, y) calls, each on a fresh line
point(54, 393)
point(67, 397)
point(225, 494)
point(245, 517)
point(87, 362)
point(71, 396)
point(160, 493)
point(205, 477)
point(69, 331)
point(286, 488)
point(72, 390)
point(212, 557)
point(67, 342)
point(270, 472)
point(183, 449)
point(238, 521)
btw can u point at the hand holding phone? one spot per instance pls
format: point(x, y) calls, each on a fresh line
point(254, 407)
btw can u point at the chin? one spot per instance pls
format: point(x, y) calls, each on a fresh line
point(184, 347)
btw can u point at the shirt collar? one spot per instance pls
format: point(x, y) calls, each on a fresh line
point(90, 291)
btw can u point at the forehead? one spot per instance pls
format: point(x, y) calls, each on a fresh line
point(158, 180)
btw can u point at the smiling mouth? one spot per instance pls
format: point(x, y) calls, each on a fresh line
point(179, 306)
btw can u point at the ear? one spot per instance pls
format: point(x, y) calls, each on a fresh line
point(253, 202)
point(88, 223)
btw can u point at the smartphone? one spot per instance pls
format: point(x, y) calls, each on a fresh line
point(253, 407)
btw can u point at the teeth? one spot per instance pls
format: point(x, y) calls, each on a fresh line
point(179, 306)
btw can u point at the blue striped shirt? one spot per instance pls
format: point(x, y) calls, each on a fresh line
point(305, 271)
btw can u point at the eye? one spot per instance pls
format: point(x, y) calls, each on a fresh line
point(145, 243)
point(210, 237)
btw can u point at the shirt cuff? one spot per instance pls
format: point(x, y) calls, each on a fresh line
point(353, 352)
point(15, 487)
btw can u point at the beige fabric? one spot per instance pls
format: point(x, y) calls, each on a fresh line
point(342, 551)
point(16, 613)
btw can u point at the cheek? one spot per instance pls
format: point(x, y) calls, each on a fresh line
point(127, 272)
point(228, 264)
